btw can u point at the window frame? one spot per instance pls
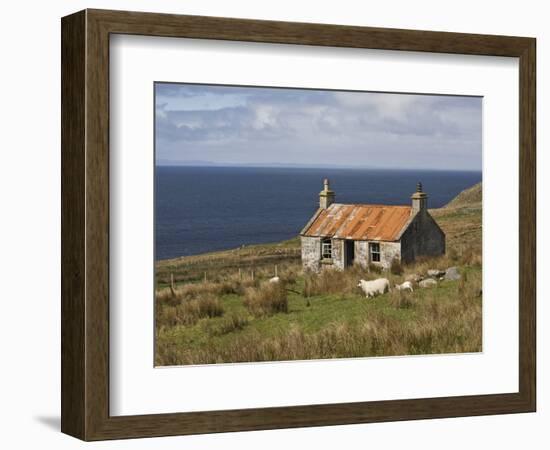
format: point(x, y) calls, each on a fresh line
point(326, 242)
point(373, 252)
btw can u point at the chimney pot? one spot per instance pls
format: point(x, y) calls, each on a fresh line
point(419, 199)
point(326, 196)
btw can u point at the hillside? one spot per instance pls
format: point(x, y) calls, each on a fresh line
point(461, 220)
point(470, 197)
point(214, 265)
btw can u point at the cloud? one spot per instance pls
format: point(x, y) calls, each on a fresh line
point(226, 124)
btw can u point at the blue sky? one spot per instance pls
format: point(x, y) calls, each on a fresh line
point(199, 124)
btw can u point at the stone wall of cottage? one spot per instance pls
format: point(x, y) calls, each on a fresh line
point(311, 253)
point(362, 253)
point(388, 251)
point(338, 254)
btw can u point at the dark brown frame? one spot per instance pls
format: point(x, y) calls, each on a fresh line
point(85, 224)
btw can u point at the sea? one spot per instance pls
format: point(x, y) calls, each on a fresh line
point(204, 209)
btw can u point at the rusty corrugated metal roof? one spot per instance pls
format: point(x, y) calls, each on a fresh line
point(360, 222)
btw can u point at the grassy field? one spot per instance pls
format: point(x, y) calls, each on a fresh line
point(222, 309)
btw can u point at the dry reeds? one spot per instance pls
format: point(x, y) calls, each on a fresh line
point(188, 312)
point(332, 281)
point(289, 275)
point(396, 268)
point(402, 299)
point(267, 299)
point(190, 291)
point(375, 268)
point(233, 322)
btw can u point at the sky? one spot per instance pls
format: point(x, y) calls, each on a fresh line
point(256, 126)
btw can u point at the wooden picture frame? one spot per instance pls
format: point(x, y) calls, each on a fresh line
point(85, 224)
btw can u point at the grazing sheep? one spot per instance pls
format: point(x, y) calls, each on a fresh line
point(374, 287)
point(406, 286)
point(428, 283)
point(414, 277)
point(435, 273)
point(274, 280)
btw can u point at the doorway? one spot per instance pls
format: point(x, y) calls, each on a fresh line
point(349, 253)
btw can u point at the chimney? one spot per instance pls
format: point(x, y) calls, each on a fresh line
point(326, 196)
point(419, 199)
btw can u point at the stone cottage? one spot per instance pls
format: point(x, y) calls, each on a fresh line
point(340, 235)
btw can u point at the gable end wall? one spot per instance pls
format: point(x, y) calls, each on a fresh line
point(423, 237)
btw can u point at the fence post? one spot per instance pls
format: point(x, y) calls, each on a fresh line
point(275, 269)
point(172, 286)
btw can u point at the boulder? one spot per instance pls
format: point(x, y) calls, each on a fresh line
point(435, 273)
point(428, 283)
point(452, 274)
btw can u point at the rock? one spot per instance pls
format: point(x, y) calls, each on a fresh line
point(452, 274)
point(413, 277)
point(435, 273)
point(428, 283)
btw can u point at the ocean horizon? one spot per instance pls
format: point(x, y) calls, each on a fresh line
point(200, 209)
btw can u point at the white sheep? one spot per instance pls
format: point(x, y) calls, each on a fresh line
point(428, 283)
point(406, 286)
point(374, 287)
point(274, 280)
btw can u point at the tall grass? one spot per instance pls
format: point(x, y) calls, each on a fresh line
point(440, 329)
point(267, 299)
point(191, 301)
point(402, 299)
point(396, 268)
point(177, 312)
point(233, 322)
point(331, 281)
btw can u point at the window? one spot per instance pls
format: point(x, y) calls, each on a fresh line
point(374, 252)
point(326, 249)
